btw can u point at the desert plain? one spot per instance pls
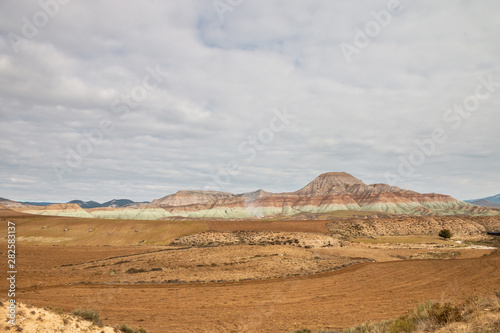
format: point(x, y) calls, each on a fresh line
point(249, 275)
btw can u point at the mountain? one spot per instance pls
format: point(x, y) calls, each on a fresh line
point(495, 198)
point(328, 192)
point(85, 204)
point(329, 183)
point(118, 203)
point(493, 201)
point(37, 203)
point(112, 203)
point(12, 204)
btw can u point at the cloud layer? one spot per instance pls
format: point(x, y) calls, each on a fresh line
point(122, 99)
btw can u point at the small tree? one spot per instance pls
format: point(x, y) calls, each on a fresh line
point(445, 233)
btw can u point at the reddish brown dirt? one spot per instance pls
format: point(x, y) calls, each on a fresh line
point(333, 300)
point(129, 265)
point(59, 230)
point(289, 226)
point(370, 291)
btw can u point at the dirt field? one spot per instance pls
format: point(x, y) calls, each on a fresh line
point(56, 230)
point(368, 291)
point(162, 265)
point(143, 285)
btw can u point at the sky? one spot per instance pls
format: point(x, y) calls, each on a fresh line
point(140, 99)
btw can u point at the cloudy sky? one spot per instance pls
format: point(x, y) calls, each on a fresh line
point(138, 99)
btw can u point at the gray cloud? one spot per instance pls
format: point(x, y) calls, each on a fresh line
point(224, 80)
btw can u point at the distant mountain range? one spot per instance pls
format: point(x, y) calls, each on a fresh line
point(83, 204)
point(493, 201)
point(329, 192)
point(32, 203)
point(112, 203)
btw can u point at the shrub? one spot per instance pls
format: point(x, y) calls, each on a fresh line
point(444, 314)
point(445, 233)
point(382, 326)
point(89, 314)
point(403, 324)
point(127, 329)
point(135, 270)
point(430, 317)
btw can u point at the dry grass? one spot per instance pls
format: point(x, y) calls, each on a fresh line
point(89, 314)
point(474, 315)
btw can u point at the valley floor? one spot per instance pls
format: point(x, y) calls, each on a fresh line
point(332, 300)
point(239, 287)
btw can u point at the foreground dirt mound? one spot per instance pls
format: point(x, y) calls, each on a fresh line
point(167, 266)
point(188, 265)
point(216, 238)
point(41, 320)
point(462, 226)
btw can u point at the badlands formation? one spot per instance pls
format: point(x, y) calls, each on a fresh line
point(329, 192)
point(310, 264)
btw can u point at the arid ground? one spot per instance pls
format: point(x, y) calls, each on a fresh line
point(244, 276)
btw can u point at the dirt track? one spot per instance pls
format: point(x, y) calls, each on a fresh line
point(337, 299)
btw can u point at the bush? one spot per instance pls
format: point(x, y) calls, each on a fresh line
point(444, 314)
point(135, 270)
point(430, 317)
point(445, 233)
point(403, 324)
point(89, 314)
point(369, 327)
point(127, 329)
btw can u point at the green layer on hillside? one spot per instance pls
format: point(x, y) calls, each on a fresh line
point(431, 208)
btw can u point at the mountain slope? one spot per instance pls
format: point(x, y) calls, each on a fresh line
point(495, 198)
point(484, 203)
point(493, 201)
point(85, 204)
point(12, 204)
point(328, 192)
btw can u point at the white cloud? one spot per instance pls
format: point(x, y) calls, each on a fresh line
point(224, 80)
